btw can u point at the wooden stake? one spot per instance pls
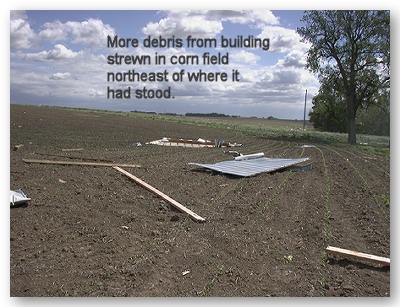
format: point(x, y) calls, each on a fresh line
point(78, 163)
point(161, 194)
point(358, 255)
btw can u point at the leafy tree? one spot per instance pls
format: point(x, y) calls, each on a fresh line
point(375, 119)
point(350, 51)
point(328, 111)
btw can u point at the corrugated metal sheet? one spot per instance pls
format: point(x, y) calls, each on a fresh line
point(251, 167)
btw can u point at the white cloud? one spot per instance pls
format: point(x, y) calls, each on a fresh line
point(92, 32)
point(259, 18)
point(206, 23)
point(54, 31)
point(294, 59)
point(60, 76)
point(282, 39)
point(182, 24)
point(60, 52)
point(21, 34)
point(243, 56)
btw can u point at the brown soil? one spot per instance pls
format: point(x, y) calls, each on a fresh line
point(90, 231)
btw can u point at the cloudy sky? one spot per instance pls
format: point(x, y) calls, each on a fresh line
point(61, 58)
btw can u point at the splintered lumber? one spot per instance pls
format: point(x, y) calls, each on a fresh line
point(161, 194)
point(78, 163)
point(358, 255)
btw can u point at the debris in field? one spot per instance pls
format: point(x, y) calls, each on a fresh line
point(233, 153)
point(250, 165)
point(61, 181)
point(17, 197)
point(161, 194)
point(137, 144)
point(16, 147)
point(185, 272)
point(251, 156)
point(73, 157)
point(199, 143)
point(78, 163)
point(125, 227)
point(71, 149)
point(358, 255)
point(306, 146)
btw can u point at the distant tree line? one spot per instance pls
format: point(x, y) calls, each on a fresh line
point(207, 114)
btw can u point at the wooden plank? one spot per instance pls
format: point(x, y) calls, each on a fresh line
point(161, 194)
point(73, 157)
point(78, 163)
point(71, 149)
point(358, 255)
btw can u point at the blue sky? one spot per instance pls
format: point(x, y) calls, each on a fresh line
point(59, 57)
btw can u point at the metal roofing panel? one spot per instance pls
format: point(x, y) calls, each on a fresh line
point(251, 167)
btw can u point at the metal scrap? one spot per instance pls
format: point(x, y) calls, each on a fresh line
point(199, 143)
point(250, 165)
point(17, 197)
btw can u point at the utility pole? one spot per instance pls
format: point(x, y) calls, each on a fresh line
point(305, 104)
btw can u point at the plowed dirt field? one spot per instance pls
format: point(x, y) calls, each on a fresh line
point(91, 231)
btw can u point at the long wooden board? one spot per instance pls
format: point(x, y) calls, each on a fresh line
point(358, 255)
point(161, 194)
point(78, 163)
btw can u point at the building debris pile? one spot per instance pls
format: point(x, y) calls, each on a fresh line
point(199, 143)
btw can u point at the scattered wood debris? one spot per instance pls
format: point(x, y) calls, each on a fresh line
point(73, 157)
point(361, 256)
point(161, 194)
point(16, 147)
point(78, 163)
point(71, 149)
point(199, 143)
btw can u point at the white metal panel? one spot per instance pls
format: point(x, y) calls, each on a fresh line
point(251, 167)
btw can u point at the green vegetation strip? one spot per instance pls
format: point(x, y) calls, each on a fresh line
point(276, 129)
